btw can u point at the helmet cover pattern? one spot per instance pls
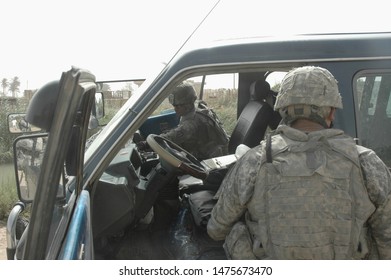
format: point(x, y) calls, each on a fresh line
point(183, 94)
point(309, 85)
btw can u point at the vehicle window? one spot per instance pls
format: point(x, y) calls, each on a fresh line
point(275, 79)
point(373, 99)
point(219, 91)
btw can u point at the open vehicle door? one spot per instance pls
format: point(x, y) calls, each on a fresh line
point(65, 147)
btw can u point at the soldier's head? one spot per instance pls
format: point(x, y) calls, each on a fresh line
point(183, 98)
point(308, 92)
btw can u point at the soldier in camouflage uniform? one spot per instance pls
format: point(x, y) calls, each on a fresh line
point(308, 191)
point(195, 133)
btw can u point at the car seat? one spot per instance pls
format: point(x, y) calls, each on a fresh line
point(255, 117)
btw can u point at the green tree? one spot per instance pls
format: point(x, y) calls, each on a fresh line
point(14, 86)
point(4, 85)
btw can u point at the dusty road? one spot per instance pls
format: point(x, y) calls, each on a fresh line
point(3, 241)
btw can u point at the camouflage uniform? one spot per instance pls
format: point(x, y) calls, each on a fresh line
point(306, 195)
point(192, 134)
point(244, 213)
point(197, 132)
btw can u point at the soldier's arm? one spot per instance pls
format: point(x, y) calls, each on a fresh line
point(378, 181)
point(237, 189)
point(182, 133)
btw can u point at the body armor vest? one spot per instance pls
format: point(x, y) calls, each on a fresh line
point(310, 201)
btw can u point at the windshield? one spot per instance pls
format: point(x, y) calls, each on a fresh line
point(105, 131)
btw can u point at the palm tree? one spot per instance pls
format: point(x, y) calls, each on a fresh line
point(14, 86)
point(4, 85)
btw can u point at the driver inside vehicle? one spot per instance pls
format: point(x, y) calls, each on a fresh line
point(200, 133)
point(197, 132)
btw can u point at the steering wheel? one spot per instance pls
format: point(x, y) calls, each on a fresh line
point(177, 156)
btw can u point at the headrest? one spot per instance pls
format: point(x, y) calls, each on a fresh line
point(259, 90)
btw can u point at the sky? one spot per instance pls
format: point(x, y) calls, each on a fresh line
point(41, 39)
point(120, 39)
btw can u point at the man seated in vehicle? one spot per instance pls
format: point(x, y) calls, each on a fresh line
point(197, 132)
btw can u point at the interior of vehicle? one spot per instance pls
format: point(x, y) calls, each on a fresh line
point(155, 203)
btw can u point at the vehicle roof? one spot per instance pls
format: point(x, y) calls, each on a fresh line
point(290, 48)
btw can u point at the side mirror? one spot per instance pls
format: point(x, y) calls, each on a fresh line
point(17, 124)
point(99, 107)
point(97, 112)
point(28, 155)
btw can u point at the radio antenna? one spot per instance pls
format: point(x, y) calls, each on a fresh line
point(194, 31)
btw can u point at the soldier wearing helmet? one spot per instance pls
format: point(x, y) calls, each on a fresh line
point(183, 98)
point(195, 133)
point(308, 93)
point(307, 191)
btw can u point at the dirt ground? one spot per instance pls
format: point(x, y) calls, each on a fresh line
point(3, 241)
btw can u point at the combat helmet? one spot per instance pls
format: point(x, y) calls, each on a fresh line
point(183, 94)
point(310, 90)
